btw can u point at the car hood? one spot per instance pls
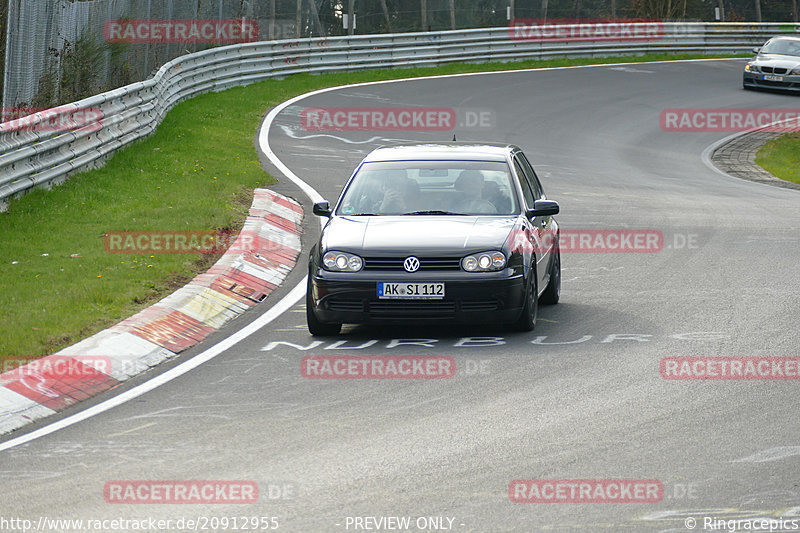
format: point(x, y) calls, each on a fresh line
point(416, 233)
point(777, 60)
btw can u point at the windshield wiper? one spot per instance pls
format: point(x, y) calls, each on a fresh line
point(434, 213)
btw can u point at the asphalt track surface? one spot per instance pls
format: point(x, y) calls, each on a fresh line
point(581, 397)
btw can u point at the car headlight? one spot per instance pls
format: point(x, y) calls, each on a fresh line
point(751, 68)
point(484, 262)
point(342, 262)
point(795, 72)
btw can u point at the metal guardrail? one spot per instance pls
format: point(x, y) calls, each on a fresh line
point(36, 155)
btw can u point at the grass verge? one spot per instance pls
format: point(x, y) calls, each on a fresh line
point(196, 172)
point(781, 157)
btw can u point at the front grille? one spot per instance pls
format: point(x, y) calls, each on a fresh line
point(779, 84)
point(776, 70)
point(412, 308)
point(425, 263)
point(345, 304)
point(481, 305)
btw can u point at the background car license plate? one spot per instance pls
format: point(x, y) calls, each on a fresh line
point(420, 291)
point(773, 78)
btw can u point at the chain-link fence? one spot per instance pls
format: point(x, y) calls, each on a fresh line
point(60, 51)
point(3, 28)
point(57, 50)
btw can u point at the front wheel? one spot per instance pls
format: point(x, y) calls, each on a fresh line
point(315, 327)
point(552, 293)
point(527, 320)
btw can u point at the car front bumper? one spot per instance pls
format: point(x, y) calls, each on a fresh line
point(492, 297)
point(756, 80)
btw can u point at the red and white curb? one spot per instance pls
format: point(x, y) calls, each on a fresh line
point(264, 253)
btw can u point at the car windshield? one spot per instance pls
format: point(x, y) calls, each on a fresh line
point(787, 47)
point(430, 188)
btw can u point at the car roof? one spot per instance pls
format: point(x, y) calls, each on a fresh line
point(444, 151)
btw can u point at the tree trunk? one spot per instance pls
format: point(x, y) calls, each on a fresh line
point(386, 16)
point(613, 9)
point(423, 6)
point(299, 20)
point(452, 14)
point(146, 49)
point(271, 32)
point(794, 10)
point(544, 11)
point(315, 15)
point(351, 9)
point(758, 10)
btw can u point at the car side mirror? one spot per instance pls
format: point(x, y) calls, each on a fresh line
point(756, 50)
point(543, 208)
point(322, 209)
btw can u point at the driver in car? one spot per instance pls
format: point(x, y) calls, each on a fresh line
point(400, 195)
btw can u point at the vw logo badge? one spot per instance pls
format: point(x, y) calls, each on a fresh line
point(411, 264)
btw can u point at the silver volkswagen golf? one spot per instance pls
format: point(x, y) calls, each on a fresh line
point(455, 232)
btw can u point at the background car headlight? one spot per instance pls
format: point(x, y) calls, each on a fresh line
point(484, 262)
point(795, 72)
point(751, 68)
point(342, 262)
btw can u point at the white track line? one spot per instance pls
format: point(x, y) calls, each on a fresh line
point(294, 295)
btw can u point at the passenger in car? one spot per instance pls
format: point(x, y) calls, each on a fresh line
point(469, 185)
point(492, 193)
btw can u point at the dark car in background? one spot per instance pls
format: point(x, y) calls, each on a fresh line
point(776, 66)
point(436, 233)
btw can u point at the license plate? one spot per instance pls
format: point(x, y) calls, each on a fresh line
point(411, 291)
point(767, 77)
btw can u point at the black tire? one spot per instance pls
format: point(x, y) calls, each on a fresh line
point(552, 293)
point(527, 320)
point(315, 327)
